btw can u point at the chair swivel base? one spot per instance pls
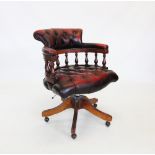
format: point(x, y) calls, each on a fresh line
point(78, 102)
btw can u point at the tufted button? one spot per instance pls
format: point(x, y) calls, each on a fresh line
point(47, 32)
point(75, 32)
point(55, 33)
point(64, 33)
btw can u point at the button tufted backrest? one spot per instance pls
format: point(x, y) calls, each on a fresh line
point(59, 38)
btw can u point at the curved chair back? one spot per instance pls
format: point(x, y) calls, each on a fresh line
point(59, 38)
point(63, 41)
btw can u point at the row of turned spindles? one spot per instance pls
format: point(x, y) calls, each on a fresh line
point(86, 60)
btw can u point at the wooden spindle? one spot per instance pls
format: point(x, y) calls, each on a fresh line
point(57, 61)
point(86, 58)
point(51, 67)
point(66, 59)
point(104, 61)
point(47, 68)
point(76, 59)
point(96, 60)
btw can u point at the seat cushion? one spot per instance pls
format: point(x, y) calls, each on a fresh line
point(81, 80)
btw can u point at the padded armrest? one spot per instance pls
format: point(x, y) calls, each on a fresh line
point(52, 52)
point(84, 47)
point(47, 50)
point(94, 45)
point(49, 54)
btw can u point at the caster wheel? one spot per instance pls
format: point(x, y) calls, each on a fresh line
point(73, 135)
point(107, 123)
point(95, 105)
point(46, 119)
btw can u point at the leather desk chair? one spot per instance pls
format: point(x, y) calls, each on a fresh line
point(69, 81)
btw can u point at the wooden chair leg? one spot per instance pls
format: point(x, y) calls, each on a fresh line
point(88, 106)
point(93, 100)
point(73, 129)
point(77, 102)
point(67, 103)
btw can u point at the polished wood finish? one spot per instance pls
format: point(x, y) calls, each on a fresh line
point(96, 60)
point(66, 59)
point(73, 129)
point(93, 100)
point(97, 112)
point(76, 59)
point(78, 102)
point(86, 58)
point(67, 103)
point(58, 62)
point(51, 56)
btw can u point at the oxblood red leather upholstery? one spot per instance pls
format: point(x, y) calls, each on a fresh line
point(80, 80)
point(77, 79)
point(65, 38)
point(59, 38)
